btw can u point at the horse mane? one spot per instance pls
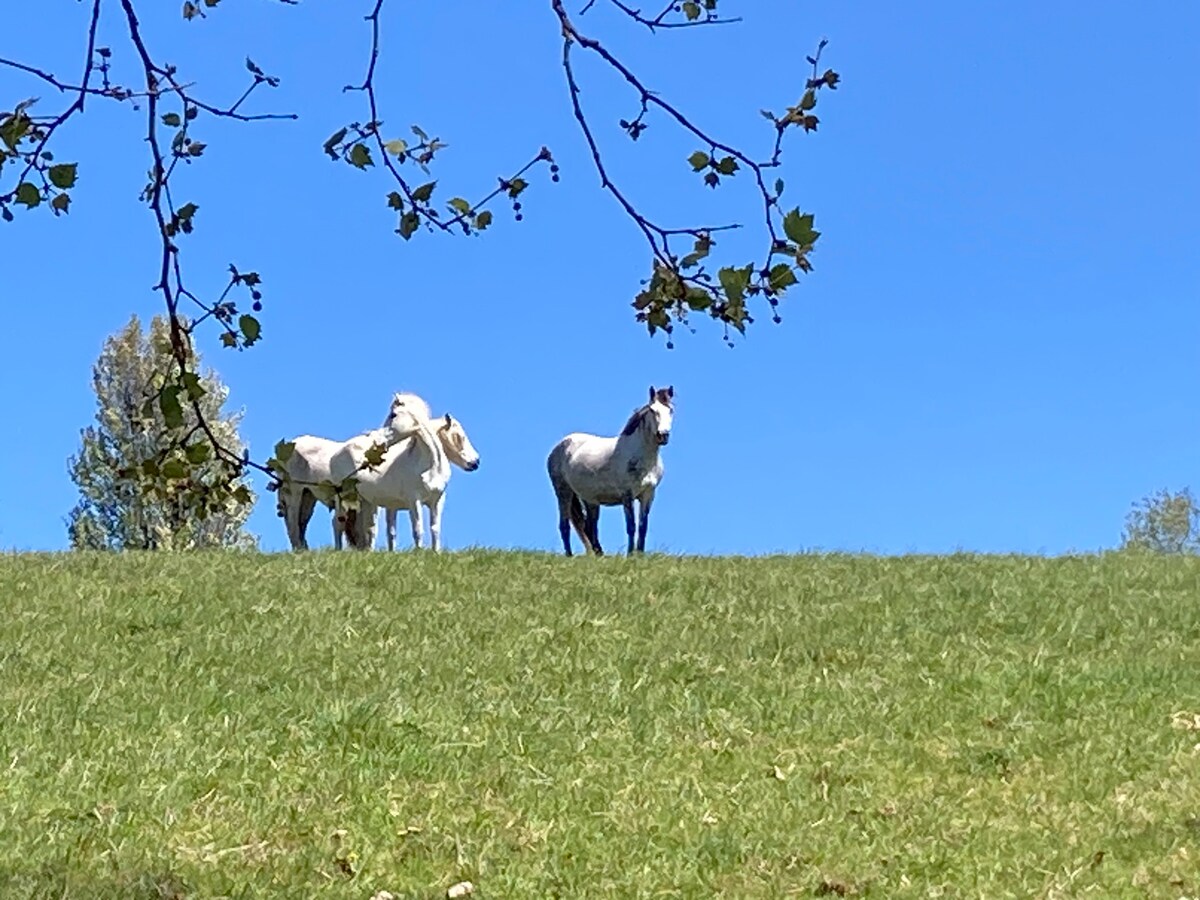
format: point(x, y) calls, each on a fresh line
point(415, 403)
point(635, 421)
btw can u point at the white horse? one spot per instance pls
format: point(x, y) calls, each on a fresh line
point(308, 466)
point(415, 473)
point(588, 472)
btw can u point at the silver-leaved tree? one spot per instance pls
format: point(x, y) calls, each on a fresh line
point(1164, 522)
point(145, 484)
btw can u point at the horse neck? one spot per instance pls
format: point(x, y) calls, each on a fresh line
point(642, 443)
point(433, 444)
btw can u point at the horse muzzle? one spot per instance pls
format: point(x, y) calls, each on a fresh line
point(663, 438)
point(472, 466)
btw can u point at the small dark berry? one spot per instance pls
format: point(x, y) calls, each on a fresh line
point(554, 178)
point(776, 319)
point(517, 206)
point(519, 217)
point(554, 167)
point(257, 306)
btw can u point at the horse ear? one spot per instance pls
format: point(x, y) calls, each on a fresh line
point(449, 421)
point(651, 393)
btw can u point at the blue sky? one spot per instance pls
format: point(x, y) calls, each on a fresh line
point(997, 350)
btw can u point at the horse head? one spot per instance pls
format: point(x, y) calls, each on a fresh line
point(659, 412)
point(456, 444)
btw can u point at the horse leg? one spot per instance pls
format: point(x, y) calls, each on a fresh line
point(287, 509)
point(414, 518)
point(644, 520)
point(592, 520)
point(629, 524)
point(339, 525)
point(308, 502)
point(564, 523)
point(390, 518)
point(368, 524)
point(435, 523)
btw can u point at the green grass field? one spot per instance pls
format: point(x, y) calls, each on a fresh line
point(337, 725)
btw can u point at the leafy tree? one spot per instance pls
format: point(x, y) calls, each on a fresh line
point(145, 470)
point(1164, 522)
point(681, 281)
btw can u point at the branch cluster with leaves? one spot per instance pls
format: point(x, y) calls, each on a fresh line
point(683, 278)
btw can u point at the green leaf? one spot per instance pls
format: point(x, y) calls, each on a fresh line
point(416, 129)
point(459, 205)
point(799, 228)
point(483, 220)
point(198, 452)
point(168, 403)
point(284, 450)
point(251, 329)
point(781, 276)
point(324, 491)
point(408, 224)
point(727, 166)
point(778, 187)
point(171, 119)
point(360, 156)
point(191, 384)
point(691, 9)
point(699, 160)
point(336, 138)
point(698, 299)
point(516, 186)
point(186, 211)
point(195, 148)
point(373, 455)
point(712, 179)
point(60, 202)
point(174, 469)
point(699, 251)
point(28, 194)
point(229, 340)
point(396, 147)
point(734, 282)
point(424, 192)
point(14, 128)
point(395, 201)
point(809, 100)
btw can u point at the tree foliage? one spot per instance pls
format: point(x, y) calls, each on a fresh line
point(685, 277)
point(1164, 522)
point(146, 473)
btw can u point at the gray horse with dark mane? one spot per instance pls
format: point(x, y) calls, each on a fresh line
point(589, 471)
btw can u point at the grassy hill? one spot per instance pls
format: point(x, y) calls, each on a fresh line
point(343, 724)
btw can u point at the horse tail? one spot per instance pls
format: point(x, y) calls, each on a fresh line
point(577, 518)
point(350, 526)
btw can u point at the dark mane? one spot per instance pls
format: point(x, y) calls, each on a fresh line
point(635, 421)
